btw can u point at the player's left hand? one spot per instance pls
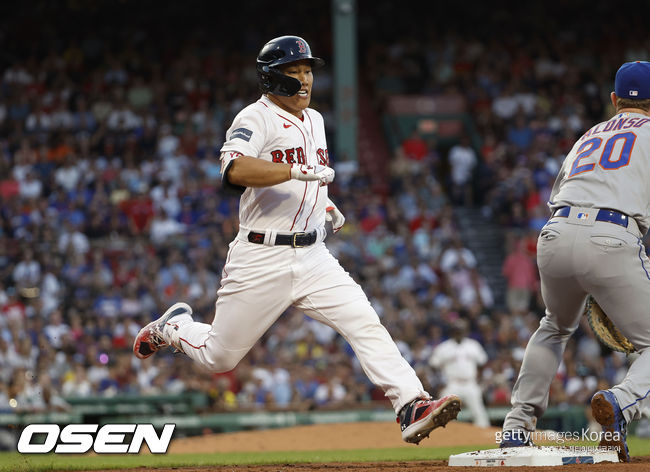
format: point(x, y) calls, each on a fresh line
point(335, 216)
point(323, 174)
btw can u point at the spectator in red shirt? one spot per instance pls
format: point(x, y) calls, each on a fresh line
point(521, 274)
point(415, 147)
point(139, 212)
point(374, 218)
point(13, 309)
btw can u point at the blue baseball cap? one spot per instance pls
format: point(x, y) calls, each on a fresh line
point(633, 80)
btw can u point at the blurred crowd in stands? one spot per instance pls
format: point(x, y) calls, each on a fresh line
point(112, 209)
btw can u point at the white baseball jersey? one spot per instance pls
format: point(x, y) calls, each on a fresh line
point(261, 280)
point(459, 361)
point(266, 131)
point(607, 168)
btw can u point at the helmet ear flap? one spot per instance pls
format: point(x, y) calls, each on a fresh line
point(283, 84)
point(275, 82)
point(264, 74)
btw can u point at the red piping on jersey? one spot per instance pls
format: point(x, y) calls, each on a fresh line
point(299, 208)
point(304, 139)
point(312, 208)
point(311, 123)
point(190, 344)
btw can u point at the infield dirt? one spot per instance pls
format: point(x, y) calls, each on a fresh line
point(637, 465)
point(375, 435)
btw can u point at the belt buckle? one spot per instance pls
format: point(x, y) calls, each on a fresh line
point(294, 243)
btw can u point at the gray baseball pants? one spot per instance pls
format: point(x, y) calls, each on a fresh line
point(578, 256)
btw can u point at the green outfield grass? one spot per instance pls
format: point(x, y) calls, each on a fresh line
point(14, 462)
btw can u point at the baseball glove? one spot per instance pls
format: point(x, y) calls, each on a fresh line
point(605, 331)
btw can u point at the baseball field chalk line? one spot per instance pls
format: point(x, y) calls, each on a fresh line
point(534, 456)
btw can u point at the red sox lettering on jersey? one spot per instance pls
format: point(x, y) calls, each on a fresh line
point(297, 156)
point(265, 131)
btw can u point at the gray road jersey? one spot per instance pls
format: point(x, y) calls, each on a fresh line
point(609, 167)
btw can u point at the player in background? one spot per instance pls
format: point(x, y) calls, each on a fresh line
point(459, 358)
point(275, 155)
point(592, 244)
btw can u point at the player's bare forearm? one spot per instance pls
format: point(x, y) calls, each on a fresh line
point(252, 172)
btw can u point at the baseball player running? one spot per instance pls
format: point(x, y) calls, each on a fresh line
point(276, 156)
point(600, 206)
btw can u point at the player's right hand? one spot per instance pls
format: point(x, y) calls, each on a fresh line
point(334, 215)
point(323, 174)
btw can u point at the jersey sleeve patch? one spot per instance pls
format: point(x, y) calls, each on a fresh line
point(242, 133)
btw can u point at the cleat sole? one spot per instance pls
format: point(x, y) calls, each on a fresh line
point(448, 412)
point(604, 414)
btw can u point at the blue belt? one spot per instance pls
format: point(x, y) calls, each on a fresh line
point(609, 216)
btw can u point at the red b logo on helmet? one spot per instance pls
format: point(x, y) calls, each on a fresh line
point(302, 48)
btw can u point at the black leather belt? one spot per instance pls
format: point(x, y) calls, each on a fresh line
point(293, 240)
point(609, 216)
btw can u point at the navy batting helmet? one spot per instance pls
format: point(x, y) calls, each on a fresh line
point(276, 52)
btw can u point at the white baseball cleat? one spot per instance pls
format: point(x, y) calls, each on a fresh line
point(421, 416)
point(152, 337)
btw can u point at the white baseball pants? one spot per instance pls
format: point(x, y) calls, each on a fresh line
point(260, 282)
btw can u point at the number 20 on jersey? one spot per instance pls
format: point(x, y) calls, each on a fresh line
point(609, 160)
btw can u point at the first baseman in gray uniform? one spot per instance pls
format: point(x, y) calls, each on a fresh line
point(600, 206)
